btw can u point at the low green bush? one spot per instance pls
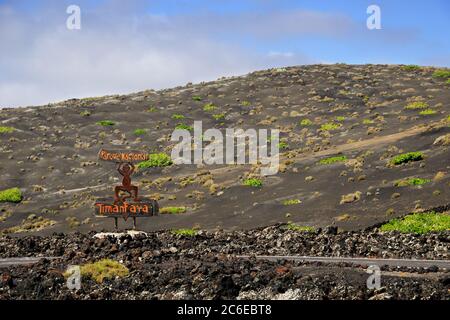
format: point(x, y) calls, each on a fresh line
point(172, 210)
point(185, 232)
point(11, 195)
point(419, 223)
point(305, 122)
point(330, 126)
point(156, 160)
point(7, 129)
point(140, 132)
point(411, 182)
point(441, 73)
point(332, 160)
point(407, 157)
point(106, 123)
point(253, 182)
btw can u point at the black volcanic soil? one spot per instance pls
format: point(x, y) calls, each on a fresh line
point(167, 266)
point(52, 155)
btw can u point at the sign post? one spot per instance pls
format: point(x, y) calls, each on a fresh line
point(126, 202)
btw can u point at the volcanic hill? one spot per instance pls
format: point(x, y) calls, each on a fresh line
point(360, 144)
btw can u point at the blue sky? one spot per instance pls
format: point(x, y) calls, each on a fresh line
point(127, 46)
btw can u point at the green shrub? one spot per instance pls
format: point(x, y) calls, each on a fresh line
point(140, 132)
point(410, 67)
point(103, 269)
point(427, 112)
point(183, 126)
point(407, 157)
point(106, 123)
point(330, 126)
point(219, 116)
point(305, 122)
point(177, 116)
point(172, 210)
point(85, 113)
point(295, 227)
point(442, 73)
point(283, 145)
point(185, 232)
point(11, 195)
point(209, 107)
point(152, 109)
point(411, 182)
point(156, 160)
point(333, 160)
point(197, 98)
point(253, 182)
point(291, 202)
point(448, 81)
point(246, 103)
point(368, 121)
point(340, 118)
point(416, 105)
point(419, 223)
point(7, 129)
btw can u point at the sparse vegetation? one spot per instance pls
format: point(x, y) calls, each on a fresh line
point(182, 126)
point(427, 112)
point(172, 210)
point(340, 118)
point(291, 202)
point(185, 232)
point(368, 121)
point(6, 129)
point(351, 197)
point(156, 160)
point(246, 103)
point(419, 223)
point(410, 182)
point(30, 224)
point(332, 160)
point(11, 195)
point(219, 116)
point(85, 113)
point(283, 145)
point(410, 67)
point(253, 182)
point(103, 269)
point(330, 126)
point(177, 116)
point(295, 227)
point(152, 109)
point(209, 107)
point(441, 73)
point(197, 98)
point(140, 132)
point(416, 105)
point(106, 123)
point(343, 217)
point(407, 157)
point(305, 122)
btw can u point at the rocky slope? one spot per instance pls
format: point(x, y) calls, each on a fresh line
point(167, 266)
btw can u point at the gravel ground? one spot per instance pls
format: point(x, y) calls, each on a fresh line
point(167, 266)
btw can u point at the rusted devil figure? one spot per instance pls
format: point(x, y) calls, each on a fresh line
point(126, 170)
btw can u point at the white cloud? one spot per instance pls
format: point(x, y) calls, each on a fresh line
point(118, 52)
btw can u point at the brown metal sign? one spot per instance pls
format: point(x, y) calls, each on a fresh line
point(144, 208)
point(120, 205)
point(122, 156)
